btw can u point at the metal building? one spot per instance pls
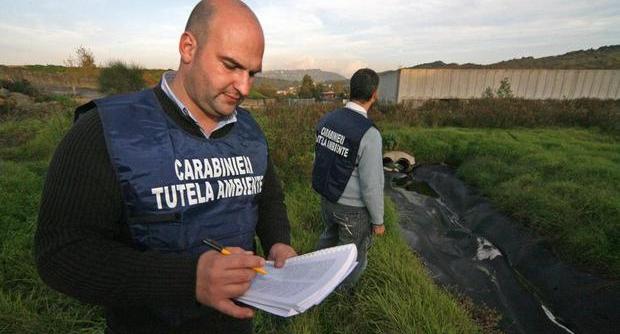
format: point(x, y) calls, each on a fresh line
point(422, 84)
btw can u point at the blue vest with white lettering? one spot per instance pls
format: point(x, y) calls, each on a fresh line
point(179, 189)
point(338, 136)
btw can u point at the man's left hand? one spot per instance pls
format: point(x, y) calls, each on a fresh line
point(378, 229)
point(279, 253)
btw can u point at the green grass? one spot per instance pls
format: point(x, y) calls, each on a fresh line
point(26, 304)
point(395, 295)
point(562, 183)
point(505, 113)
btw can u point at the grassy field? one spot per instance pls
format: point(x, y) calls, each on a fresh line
point(562, 183)
point(62, 76)
point(395, 295)
point(26, 304)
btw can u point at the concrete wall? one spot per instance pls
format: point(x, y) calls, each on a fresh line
point(422, 84)
point(388, 86)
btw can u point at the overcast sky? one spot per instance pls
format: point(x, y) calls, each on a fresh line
point(333, 35)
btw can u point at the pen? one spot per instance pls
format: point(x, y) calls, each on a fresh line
point(213, 244)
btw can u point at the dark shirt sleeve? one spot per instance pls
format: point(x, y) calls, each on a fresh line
point(81, 247)
point(273, 224)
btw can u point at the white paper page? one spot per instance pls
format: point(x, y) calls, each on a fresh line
point(326, 291)
point(313, 274)
point(329, 287)
point(272, 309)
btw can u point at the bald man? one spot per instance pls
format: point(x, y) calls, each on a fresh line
point(142, 179)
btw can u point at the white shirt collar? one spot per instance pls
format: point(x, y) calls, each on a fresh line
point(169, 76)
point(357, 108)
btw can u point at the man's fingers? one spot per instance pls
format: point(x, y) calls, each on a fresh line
point(245, 261)
point(378, 229)
point(236, 276)
point(226, 306)
point(235, 290)
point(236, 250)
point(280, 260)
point(238, 260)
point(279, 253)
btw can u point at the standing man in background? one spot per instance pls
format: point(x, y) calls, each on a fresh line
point(141, 179)
point(348, 173)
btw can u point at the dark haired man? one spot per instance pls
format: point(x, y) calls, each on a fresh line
point(348, 172)
point(141, 179)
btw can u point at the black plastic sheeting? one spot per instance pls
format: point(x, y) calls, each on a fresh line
point(469, 245)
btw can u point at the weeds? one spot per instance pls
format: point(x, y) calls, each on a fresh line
point(506, 113)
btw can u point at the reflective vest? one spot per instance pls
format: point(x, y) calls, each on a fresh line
point(338, 136)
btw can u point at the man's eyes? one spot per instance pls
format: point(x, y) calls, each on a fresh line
point(233, 66)
point(230, 66)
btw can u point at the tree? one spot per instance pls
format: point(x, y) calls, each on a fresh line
point(488, 93)
point(266, 89)
point(84, 59)
point(84, 64)
point(504, 90)
point(307, 89)
point(119, 77)
point(318, 89)
point(341, 88)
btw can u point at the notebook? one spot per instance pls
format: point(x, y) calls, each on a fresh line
point(303, 282)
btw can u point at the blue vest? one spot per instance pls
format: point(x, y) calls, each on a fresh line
point(179, 189)
point(338, 136)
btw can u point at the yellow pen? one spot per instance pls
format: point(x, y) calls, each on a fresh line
point(224, 251)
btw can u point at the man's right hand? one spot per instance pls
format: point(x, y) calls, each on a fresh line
point(219, 278)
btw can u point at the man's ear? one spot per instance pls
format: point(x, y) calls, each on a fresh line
point(375, 95)
point(188, 45)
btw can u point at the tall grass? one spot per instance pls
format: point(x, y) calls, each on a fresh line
point(394, 296)
point(506, 113)
point(562, 183)
point(26, 304)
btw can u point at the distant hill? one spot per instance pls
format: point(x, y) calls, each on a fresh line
point(605, 57)
point(275, 83)
point(296, 75)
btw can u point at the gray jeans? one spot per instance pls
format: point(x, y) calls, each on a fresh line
point(347, 224)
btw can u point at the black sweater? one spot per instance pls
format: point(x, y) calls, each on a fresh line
point(83, 248)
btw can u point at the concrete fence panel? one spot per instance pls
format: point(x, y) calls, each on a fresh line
point(422, 84)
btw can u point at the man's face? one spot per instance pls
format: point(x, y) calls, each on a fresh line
point(223, 67)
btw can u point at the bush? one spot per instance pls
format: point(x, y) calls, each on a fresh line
point(119, 78)
point(505, 113)
point(504, 91)
point(20, 86)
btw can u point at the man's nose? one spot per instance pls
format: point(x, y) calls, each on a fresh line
point(243, 84)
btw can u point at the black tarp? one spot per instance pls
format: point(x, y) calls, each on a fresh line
point(468, 244)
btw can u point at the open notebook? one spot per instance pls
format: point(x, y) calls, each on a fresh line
point(303, 282)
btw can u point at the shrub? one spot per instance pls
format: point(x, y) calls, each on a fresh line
point(119, 78)
point(504, 91)
point(20, 86)
point(506, 113)
point(488, 93)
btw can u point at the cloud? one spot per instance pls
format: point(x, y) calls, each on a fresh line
point(337, 35)
point(392, 33)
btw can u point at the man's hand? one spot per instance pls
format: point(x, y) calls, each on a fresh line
point(378, 229)
point(279, 253)
point(220, 278)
